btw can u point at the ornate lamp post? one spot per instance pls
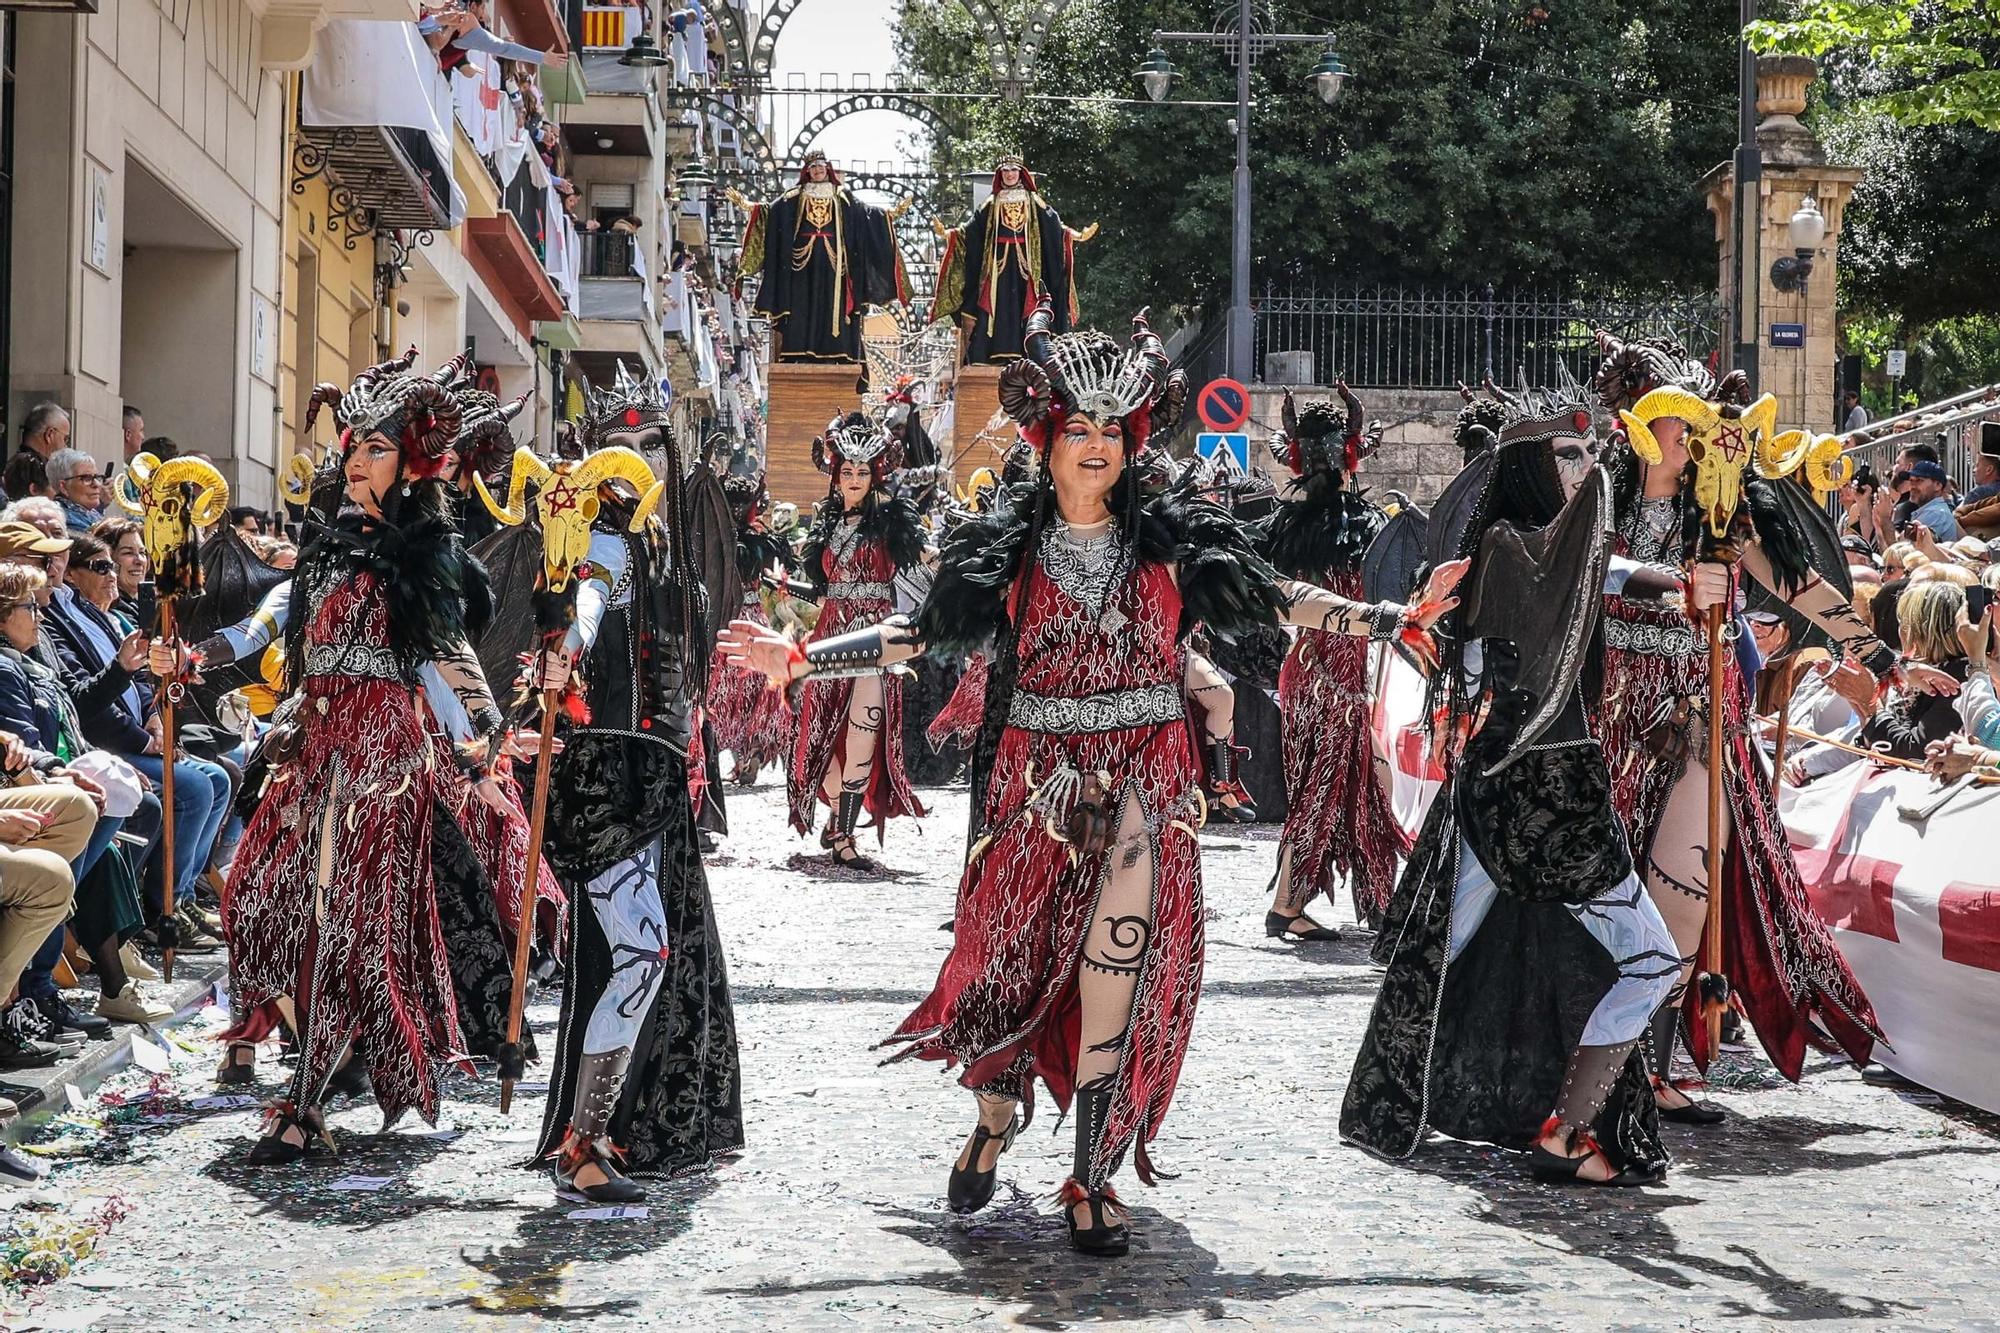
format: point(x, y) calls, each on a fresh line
point(1244, 37)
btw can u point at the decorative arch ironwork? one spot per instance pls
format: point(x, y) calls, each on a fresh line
point(858, 103)
point(753, 149)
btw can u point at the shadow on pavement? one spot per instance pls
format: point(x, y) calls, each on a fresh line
point(1018, 1254)
point(1629, 1227)
point(531, 1275)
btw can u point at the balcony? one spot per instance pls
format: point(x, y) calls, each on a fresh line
point(376, 121)
point(288, 29)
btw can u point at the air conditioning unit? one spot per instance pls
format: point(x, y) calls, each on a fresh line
point(1288, 368)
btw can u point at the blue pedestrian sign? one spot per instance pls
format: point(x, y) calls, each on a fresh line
point(1236, 442)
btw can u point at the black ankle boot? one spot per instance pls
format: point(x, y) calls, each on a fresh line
point(1223, 770)
point(846, 818)
point(1107, 1235)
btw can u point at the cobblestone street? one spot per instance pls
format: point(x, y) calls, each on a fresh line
point(1831, 1201)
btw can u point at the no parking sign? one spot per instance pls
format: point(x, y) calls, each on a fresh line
point(1224, 405)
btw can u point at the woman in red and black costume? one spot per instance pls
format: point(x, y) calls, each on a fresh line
point(1078, 950)
point(749, 718)
point(1779, 957)
point(848, 751)
point(332, 900)
point(1337, 819)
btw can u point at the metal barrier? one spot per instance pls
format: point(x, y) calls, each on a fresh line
point(1953, 424)
point(1436, 338)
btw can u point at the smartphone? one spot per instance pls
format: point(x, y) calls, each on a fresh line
point(1978, 597)
point(148, 605)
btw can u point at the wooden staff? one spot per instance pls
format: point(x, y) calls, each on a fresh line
point(1715, 993)
point(166, 850)
point(1791, 668)
point(524, 928)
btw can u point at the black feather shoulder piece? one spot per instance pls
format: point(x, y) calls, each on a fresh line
point(758, 551)
point(1225, 584)
point(1325, 532)
point(967, 605)
point(895, 522)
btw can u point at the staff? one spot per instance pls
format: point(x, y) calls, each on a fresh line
point(172, 500)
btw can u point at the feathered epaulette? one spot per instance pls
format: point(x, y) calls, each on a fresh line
point(1324, 532)
point(1786, 545)
point(1225, 585)
point(967, 605)
point(758, 551)
point(425, 573)
point(891, 520)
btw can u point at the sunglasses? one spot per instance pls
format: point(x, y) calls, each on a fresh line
point(33, 608)
point(101, 567)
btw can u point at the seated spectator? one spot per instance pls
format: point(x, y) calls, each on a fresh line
point(24, 476)
point(97, 662)
point(1896, 560)
point(1979, 512)
point(36, 709)
point(161, 447)
point(43, 827)
point(128, 552)
point(76, 483)
point(1928, 616)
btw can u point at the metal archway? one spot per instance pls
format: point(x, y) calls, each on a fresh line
point(753, 150)
point(856, 104)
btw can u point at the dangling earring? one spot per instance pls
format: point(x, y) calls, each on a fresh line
point(406, 490)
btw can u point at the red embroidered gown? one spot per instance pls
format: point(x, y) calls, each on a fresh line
point(330, 899)
point(1090, 695)
point(859, 593)
point(1338, 817)
point(1778, 955)
point(751, 718)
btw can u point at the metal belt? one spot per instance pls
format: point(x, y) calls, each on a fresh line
point(1653, 640)
point(861, 592)
point(352, 659)
point(1141, 706)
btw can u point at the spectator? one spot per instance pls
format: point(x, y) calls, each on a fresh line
point(95, 645)
point(35, 707)
point(1858, 499)
point(1923, 488)
point(134, 432)
point(453, 30)
point(43, 827)
point(128, 552)
point(1979, 512)
point(77, 484)
point(1927, 616)
point(1857, 415)
point(246, 518)
point(44, 430)
point(161, 447)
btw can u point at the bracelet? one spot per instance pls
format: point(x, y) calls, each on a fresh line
point(1383, 620)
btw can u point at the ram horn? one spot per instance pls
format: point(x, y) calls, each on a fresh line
point(130, 492)
point(1024, 391)
point(622, 464)
point(323, 395)
point(211, 496)
point(525, 468)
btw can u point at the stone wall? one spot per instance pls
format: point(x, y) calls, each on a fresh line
point(1417, 455)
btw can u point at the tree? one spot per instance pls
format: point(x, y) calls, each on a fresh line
point(1940, 54)
point(1480, 141)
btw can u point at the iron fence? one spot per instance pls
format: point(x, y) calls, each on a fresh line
point(1436, 338)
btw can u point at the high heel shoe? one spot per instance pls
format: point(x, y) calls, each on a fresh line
point(969, 1188)
point(1694, 1113)
point(236, 1073)
point(272, 1149)
point(1104, 1237)
point(1277, 925)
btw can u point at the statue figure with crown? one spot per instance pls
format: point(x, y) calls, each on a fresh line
point(823, 257)
point(1001, 261)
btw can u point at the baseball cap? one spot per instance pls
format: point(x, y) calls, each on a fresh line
point(1926, 470)
point(26, 539)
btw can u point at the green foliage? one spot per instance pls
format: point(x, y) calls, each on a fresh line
point(1940, 54)
point(1475, 143)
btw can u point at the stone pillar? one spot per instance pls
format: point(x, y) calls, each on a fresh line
point(1795, 168)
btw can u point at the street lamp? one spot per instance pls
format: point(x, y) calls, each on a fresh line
point(1245, 40)
point(1329, 77)
point(1806, 230)
point(1157, 74)
point(644, 53)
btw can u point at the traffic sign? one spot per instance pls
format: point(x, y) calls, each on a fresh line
point(1237, 443)
point(1224, 405)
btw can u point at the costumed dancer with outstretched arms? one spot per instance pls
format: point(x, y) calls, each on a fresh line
point(1338, 819)
point(646, 1083)
point(848, 752)
point(331, 900)
point(1078, 951)
point(1680, 504)
point(750, 717)
point(1524, 957)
